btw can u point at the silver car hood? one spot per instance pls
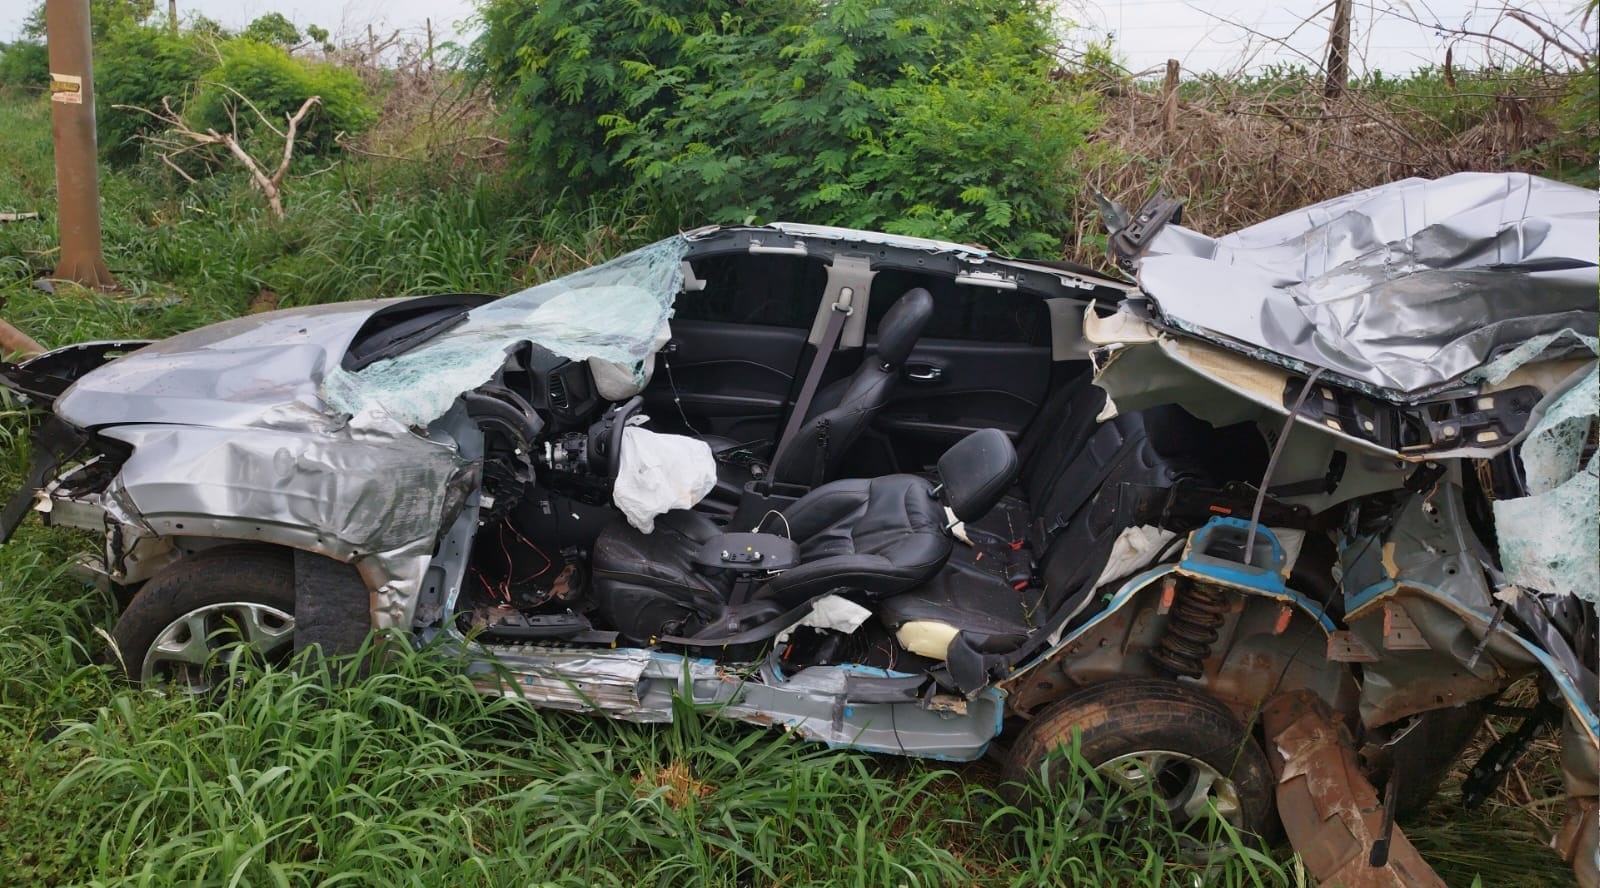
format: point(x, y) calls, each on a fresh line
point(239, 373)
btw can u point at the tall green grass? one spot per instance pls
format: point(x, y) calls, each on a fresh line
point(409, 777)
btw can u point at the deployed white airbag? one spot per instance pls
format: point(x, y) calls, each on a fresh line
point(658, 473)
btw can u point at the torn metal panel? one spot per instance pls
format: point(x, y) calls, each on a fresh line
point(639, 685)
point(1330, 812)
point(1575, 841)
point(1223, 386)
point(378, 503)
point(853, 235)
point(1405, 288)
point(613, 312)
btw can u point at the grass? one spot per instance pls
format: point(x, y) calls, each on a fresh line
point(407, 777)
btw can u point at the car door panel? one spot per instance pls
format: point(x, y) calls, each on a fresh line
point(737, 339)
point(975, 385)
point(728, 379)
point(983, 361)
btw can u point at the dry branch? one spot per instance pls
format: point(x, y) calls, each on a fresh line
point(180, 138)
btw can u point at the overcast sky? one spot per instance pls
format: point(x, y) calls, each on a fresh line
point(1202, 34)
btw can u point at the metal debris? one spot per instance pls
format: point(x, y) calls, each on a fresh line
point(1330, 812)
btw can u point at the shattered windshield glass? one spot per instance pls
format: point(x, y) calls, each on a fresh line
point(613, 312)
point(1547, 538)
point(1403, 288)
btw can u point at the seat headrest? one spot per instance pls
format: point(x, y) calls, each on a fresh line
point(976, 472)
point(902, 325)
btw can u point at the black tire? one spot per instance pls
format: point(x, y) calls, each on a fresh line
point(224, 588)
point(1132, 716)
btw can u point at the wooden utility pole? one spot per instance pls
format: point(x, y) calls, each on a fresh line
point(172, 15)
point(1338, 67)
point(72, 125)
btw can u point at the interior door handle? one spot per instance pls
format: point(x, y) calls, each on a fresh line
point(924, 373)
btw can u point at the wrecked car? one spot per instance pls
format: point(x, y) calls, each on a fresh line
point(1268, 523)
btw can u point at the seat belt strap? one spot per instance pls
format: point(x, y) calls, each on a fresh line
point(808, 390)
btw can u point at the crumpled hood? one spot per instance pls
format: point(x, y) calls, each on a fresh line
point(1404, 289)
point(235, 374)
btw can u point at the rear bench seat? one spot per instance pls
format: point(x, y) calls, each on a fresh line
point(1051, 536)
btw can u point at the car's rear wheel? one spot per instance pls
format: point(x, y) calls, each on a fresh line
point(187, 626)
point(1146, 734)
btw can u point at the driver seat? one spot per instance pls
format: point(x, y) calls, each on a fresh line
point(871, 538)
point(840, 412)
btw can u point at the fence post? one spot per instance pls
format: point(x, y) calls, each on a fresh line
point(1338, 68)
point(1169, 101)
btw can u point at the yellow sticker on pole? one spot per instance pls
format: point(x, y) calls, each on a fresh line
point(66, 88)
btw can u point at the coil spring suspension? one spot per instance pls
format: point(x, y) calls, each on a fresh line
point(1192, 626)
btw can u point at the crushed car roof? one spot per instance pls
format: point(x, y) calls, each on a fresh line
point(1402, 290)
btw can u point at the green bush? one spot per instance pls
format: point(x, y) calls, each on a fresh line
point(277, 84)
point(560, 65)
point(24, 64)
point(917, 116)
point(137, 67)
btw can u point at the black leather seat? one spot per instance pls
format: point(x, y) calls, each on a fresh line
point(871, 539)
point(1068, 500)
point(840, 412)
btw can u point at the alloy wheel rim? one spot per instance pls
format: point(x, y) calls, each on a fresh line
point(192, 650)
point(1185, 785)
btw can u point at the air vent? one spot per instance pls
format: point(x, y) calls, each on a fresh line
point(558, 393)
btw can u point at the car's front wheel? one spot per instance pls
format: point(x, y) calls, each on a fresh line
point(194, 618)
point(1146, 734)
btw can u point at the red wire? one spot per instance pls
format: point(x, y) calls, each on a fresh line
point(548, 562)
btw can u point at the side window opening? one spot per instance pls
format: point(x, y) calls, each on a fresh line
point(773, 291)
point(965, 313)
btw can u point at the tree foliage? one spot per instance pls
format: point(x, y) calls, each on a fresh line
point(138, 67)
point(274, 29)
point(912, 116)
point(24, 64)
point(105, 16)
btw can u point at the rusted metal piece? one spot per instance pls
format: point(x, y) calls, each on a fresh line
point(1576, 840)
point(14, 341)
point(1330, 812)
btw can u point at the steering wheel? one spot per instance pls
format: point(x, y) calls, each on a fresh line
point(605, 437)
